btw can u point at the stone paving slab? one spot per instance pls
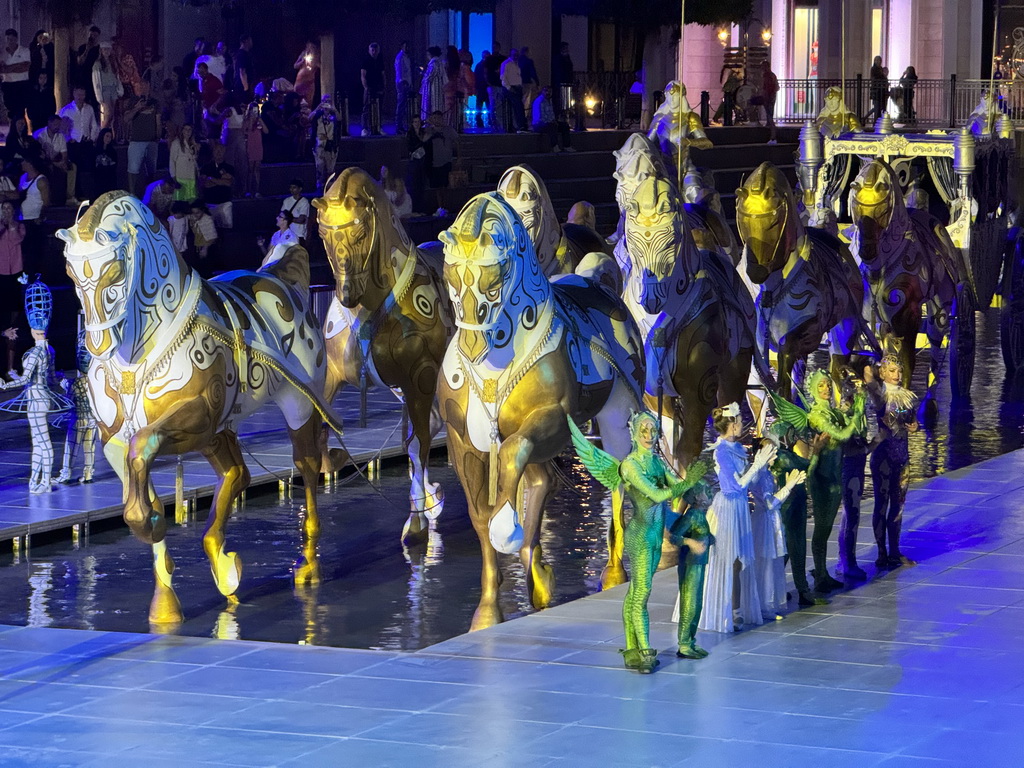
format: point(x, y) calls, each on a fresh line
point(265, 447)
point(919, 667)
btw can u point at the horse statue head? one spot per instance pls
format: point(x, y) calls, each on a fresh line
point(525, 192)
point(659, 242)
point(358, 225)
point(637, 160)
point(127, 275)
point(767, 220)
point(877, 209)
point(494, 278)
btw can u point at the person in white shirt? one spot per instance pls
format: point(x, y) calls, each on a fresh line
point(84, 126)
point(512, 82)
point(55, 152)
point(282, 240)
point(299, 208)
point(15, 61)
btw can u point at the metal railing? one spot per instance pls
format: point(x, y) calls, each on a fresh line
point(925, 104)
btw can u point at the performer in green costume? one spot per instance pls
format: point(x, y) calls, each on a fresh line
point(825, 474)
point(790, 456)
point(650, 483)
point(692, 533)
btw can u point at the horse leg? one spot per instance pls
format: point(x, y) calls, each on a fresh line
point(306, 456)
point(425, 498)
point(538, 480)
point(164, 608)
point(613, 424)
point(787, 359)
point(225, 456)
point(733, 378)
point(332, 459)
point(471, 467)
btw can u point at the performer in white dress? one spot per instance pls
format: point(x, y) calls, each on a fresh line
point(731, 598)
point(769, 536)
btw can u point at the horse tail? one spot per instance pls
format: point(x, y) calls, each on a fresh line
point(293, 268)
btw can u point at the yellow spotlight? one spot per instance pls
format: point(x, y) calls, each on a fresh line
point(723, 35)
point(766, 35)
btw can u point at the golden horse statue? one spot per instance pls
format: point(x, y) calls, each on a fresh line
point(178, 363)
point(695, 314)
point(389, 321)
point(809, 284)
point(639, 159)
point(527, 352)
point(911, 265)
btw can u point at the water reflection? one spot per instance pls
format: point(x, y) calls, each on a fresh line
point(377, 594)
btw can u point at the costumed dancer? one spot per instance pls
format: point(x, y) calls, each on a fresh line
point(794, 453)
point(650, 483)
point(39, 398)
point(730, 590)
point(855, 457)
point(825, 474)
point(80, 422)
point(769, 534)
point(896, 409)
point(692, 532)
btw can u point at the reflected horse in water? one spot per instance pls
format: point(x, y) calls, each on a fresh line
point(389, 321)
point(179, 362)
point(527, 352)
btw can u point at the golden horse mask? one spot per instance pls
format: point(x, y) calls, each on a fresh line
point(872, 203)
point(484, 258)
point(654, 235)
point(765, 220)
point(102, 265)
point(347, 215)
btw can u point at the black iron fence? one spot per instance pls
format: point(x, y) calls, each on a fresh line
point(924, 103)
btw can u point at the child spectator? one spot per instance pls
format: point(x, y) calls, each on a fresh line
point(178, 225)
point(204, 231)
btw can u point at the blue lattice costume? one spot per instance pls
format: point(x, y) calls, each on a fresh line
point(39, 398)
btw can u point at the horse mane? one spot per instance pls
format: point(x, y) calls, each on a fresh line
point(90, 220)
point(349, 183)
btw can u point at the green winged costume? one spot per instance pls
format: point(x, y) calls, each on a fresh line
point(650, 484)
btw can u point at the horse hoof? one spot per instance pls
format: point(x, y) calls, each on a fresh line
point(307, 572)
point(542, 585)
point(434, 502)
point(486, 616)
point(613, 576)
point(227, 573)
point(165, 610)
point(416, 530)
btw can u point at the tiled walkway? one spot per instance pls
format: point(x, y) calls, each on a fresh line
point(920, 667)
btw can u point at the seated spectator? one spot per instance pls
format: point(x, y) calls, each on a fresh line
point(20, 145)
point(55, 152)
point(204, 231)
point(105, 178)
point(545, 121)
point(283, 239)
point(394, 188)
point(299, 208)
point(178, 225)
point(216, 178)
point(159, 197)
